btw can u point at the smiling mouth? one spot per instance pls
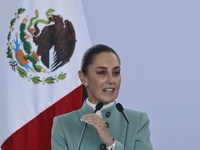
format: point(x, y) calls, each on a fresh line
point(109, 90)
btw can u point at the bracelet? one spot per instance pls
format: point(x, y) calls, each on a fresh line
point(111, 146)
point(113, 141)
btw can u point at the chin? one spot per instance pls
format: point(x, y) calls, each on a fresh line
point(108, 101)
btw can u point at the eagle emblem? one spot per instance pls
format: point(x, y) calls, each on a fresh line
point(40, 45)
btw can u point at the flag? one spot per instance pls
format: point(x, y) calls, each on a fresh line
point(42, 43)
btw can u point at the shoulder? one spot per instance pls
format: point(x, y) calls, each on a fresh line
point(68, 117)
point(136, 115)
point(134, 112)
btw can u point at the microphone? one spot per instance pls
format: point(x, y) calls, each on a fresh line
point(121, 110)
point(98, 107)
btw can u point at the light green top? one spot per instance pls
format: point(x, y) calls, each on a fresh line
point(67, 130)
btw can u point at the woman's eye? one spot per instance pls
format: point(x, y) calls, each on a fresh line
point(101, 72)
point(116, 73)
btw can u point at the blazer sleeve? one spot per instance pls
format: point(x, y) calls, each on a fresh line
point(58, 140)
point(118, 145)
point(143, 136)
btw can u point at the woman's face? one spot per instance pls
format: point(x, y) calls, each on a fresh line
point(103, 78)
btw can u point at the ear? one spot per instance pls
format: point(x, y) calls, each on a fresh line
point(83, 78)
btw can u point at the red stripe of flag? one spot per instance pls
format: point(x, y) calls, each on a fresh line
point(36, 134)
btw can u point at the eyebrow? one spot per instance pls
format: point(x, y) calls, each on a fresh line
point(102, 67)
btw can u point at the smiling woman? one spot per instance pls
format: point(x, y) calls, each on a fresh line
point(100, 74)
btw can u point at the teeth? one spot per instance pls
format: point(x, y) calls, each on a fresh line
point(108, 90)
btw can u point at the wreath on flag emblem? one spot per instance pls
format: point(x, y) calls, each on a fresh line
point(30, 45)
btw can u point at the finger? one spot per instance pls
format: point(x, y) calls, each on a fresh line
point(92, 120)
point(90, 117)
point(94, 123)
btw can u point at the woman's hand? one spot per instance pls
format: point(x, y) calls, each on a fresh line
point(99, 124)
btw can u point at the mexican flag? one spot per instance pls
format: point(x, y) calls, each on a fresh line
point(42, 43)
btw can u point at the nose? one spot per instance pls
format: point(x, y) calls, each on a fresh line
point(110, 79)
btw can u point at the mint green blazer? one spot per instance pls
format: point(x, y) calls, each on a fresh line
point(67, 128)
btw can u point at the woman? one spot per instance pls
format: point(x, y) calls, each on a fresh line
point(105, 129)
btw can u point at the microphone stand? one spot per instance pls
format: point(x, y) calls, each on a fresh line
point(127, 125)
point(81, 139)
point(98, 107)
point(121, 109)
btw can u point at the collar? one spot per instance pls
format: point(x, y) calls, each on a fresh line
point(93, 106)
